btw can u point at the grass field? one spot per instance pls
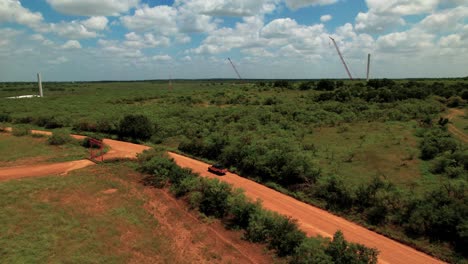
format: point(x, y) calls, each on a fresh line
point(104, 215)
point(361, 151)
point(28, 149)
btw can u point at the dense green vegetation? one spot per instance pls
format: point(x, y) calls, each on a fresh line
point(214, 198)
point(373, 152)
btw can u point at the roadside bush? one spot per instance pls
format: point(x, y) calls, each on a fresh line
point(240, 209)
point(343, 252)
point(335, 193)
point(137, 127)
point(455, 101)
point(20, 131)
point(4, 117)
point(215, 198)
point(86, 142)
point(311, 251)
point(84, 125)
point(59, 138)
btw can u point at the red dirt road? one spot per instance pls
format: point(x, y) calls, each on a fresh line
point(312, 220)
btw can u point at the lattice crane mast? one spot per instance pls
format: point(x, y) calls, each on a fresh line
point(342, 59)
point(235, 69)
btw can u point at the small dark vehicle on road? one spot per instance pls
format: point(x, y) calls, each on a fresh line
point(217, 169)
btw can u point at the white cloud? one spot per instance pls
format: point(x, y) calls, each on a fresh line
point(162, 58)
point(59, 60)
point(71, 44)
point(93, 7)
point(71, 30)
point(377, 23)
point(296, 4)
point(98, 23)
point(116, 49)
point(325, 18)
point(238, 8)
point(411, 41)
point(402, 7)
point(451, 41)
point(148, 40)
point(13, 11)
point(160, 19)
point(388, 14)
point(244, 35)
point(8, 35)
point(37, 37)
point(446, 20)
point(190, 21)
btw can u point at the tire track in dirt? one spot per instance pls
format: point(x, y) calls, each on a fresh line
point(314, 221)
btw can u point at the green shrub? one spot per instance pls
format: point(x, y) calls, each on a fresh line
point(86, 143)
point(311, 251)
point(455, 101)
point(285, 236)
point(4, 117)
point(20, 131)
point(59, 138)
point(241, 209)
point(343, 252)
point(215, 198)
point(137, 127)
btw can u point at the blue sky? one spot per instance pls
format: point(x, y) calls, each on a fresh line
point(71, 40)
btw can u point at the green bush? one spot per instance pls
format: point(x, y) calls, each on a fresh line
point(311, 251)
point(20, 131)
point(215, 198)
point(241, 209)
point(343, 252)
point(86, 142)
point(137, 127)
point(59, 138)
point(4, 117)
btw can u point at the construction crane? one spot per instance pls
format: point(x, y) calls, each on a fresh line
point(342, 59)
point(235, 69)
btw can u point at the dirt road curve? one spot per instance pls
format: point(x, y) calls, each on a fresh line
point(314, 220)
point(118, 150)
point(122, 150)
point(42, 170)
point(453, 129)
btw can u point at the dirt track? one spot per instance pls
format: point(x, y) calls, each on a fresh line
point(42, 170)
point(453, 129)
point(118, 150)
point(312, 220)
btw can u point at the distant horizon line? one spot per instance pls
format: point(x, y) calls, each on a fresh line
point(241, 80)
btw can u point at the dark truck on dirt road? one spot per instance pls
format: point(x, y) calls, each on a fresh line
point(217, 169)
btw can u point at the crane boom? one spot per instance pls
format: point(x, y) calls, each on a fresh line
point(342, 59)
point(235, 69)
